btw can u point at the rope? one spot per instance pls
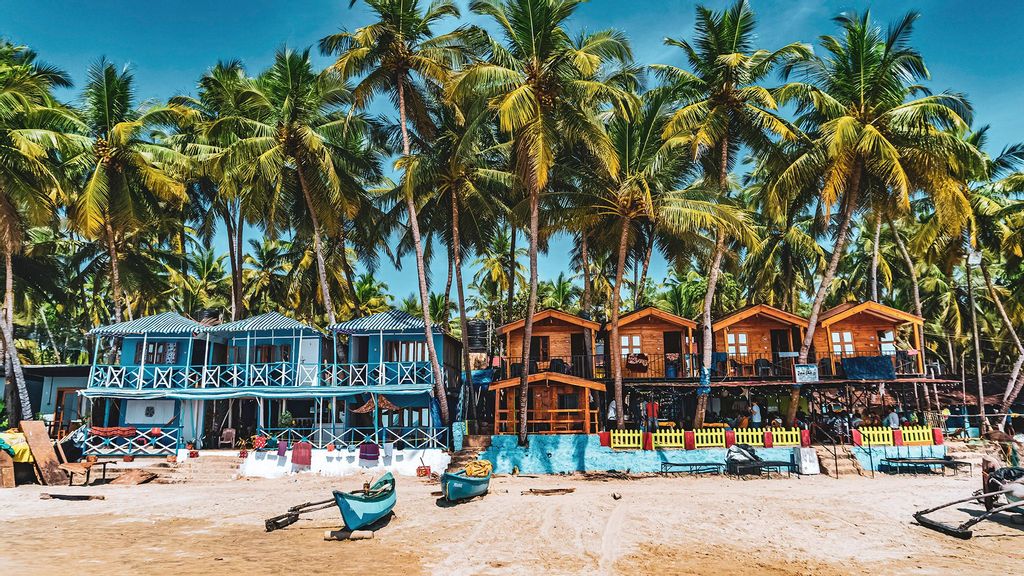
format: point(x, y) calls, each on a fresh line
point(479, 468)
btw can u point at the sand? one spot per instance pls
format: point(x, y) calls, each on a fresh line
point(809, 525)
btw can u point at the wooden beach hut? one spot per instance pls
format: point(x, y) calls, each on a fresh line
point(868, 329)
point(656, 344)
point(757, 341)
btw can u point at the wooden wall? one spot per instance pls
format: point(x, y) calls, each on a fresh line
point(559, 335)
point(864, 328)
point(759, 335)
point(651, 331)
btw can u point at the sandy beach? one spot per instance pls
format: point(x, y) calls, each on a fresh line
point(809, 525)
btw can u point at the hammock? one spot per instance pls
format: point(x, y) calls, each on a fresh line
point(383, 402)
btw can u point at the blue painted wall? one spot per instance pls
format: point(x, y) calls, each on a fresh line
point(566, 453)
point(871, 458)
point(130, 342)
point(375, 352)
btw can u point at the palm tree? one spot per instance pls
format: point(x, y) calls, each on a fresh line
point(372, 295)
point(541, 84)
point(864, 129)
point(560, 293)
point(128, 180)
point(265, 275)
point(499, 264)
point(299, 145)
point(392, 53)
point(33, 126)
point(723, 106)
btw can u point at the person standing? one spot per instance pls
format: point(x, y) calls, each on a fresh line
point(892, 420)
point(755, 414)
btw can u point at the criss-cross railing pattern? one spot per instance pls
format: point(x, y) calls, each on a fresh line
point(161, 441)
point(342, 438)
point(268, 374)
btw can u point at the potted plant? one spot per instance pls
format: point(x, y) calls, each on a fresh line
point(286, 420)
point(672, 365)
point(243, 448)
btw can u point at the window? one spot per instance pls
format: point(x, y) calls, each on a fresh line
point(264, 354)
point(887, 342)
point(738, 344)
point(630, 344)
point(540, 349)
point(157, 353)
point(405, 351)
point(842, 343)
point(568, 401)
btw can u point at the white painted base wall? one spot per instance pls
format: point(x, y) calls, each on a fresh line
point(345, 463)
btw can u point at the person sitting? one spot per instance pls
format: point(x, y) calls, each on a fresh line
point(856, 421)
point(742, 420)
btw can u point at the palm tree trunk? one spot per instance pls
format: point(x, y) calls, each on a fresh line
point(463, 320)
point(414, 227)
point(233, 263)
point(321, 264)
point(239, 249)
point(915, 284)
point(115, 272)
point(448, 283)
point(346, 267)
point(49, 335)
point(585, 257)
point(7, 334)
point(531, 306)
point(849, 207)
point(874, 258)
point(639, 299)
point(511, 272)
point(999, 306)
point(704, 386)
point(615, 344)
point(983, 421)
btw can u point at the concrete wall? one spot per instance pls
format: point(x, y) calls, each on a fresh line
point(565, 453)
point(871, 458)
point(345, 463)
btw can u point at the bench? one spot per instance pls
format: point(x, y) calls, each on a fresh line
point(758, 467)
point(914, 464)
point(693, 467)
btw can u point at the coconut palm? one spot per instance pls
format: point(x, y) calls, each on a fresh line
point(857, 106)
point(541, 84)
point(723, 107)
point(300, 147)
point(128, 180)
point(397, 55)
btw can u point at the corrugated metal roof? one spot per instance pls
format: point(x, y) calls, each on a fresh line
point(392, 320)
point(267, 321)
point(163, 323)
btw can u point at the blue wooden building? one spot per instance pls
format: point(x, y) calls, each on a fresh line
point(162, 382)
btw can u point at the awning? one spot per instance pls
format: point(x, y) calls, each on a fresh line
point(165, 323)
point(389, 321)
point(255, 392)
point(264, 322)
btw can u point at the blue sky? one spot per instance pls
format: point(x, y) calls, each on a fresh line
point(971, 47)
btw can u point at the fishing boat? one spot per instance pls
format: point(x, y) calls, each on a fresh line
point(361, 508)
point(458, 486)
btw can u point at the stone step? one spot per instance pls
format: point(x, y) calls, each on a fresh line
point(476, 441)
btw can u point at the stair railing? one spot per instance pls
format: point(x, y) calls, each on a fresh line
point(833, 449)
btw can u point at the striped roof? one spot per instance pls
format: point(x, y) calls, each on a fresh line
point(164, 323)
point(266, 321)
point(389, 321)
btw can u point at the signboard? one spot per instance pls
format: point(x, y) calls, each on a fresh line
point(805, 373)
point(789, 354)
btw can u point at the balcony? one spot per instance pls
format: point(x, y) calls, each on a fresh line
point(904, 364)
point(153, 377)
point(724, 365)
point(598, 367)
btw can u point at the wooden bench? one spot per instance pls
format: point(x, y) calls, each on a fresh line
point(693, 467)
point(80, 468)
point(915, 464)
point(759, 467)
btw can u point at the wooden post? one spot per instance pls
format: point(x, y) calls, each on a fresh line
point(142, 362)
point(586, 410)
point(917, 345)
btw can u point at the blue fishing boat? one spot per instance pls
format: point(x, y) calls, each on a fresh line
point(457, 486)
point(364, 507)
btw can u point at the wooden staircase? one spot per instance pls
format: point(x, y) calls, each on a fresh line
point(472, 446)
point(845, 465)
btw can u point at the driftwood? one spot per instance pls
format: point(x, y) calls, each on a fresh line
point(42, 452)
point(133, 477)
point(348, 534)
point(548, 491)
point(45, 496)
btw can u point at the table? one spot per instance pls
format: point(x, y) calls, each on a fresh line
point(694, 467)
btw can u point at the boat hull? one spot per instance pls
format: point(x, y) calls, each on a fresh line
point(457, 486)
point(359, 510)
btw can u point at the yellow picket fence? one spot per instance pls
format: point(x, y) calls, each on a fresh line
point(627, 439)
point(751, 436)
point(877, 435)
point(669, 439)
point(917, 436)
point(709, 438)
point(785, 437)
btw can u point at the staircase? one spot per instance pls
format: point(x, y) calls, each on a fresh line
point(203, 470)
point(472, 446)
point(972, 452)
point(847, 462)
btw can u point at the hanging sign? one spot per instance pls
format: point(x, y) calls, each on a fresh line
point(806, 373)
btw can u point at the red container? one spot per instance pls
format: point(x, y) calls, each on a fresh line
point(937, 438)
point(605, 437)
point(423, 471)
